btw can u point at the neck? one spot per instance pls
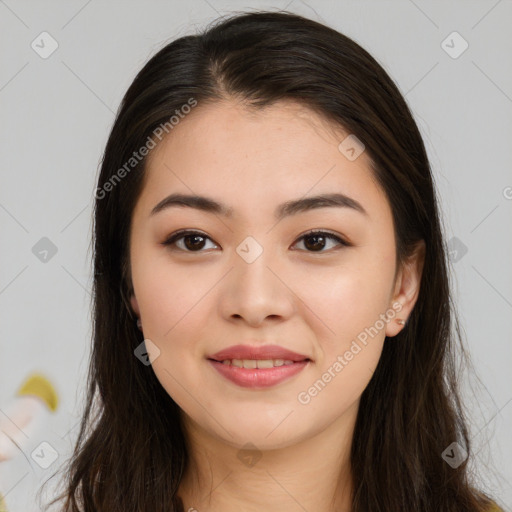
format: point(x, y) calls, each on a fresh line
point(312, 474)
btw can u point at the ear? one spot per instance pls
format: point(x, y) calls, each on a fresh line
point(407, 288)
point(135, 305)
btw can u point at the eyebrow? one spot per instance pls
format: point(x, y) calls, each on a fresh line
point(286, 209)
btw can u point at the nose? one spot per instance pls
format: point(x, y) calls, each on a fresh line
point(255, 290)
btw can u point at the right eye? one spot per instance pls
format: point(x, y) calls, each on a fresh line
point(193, 240)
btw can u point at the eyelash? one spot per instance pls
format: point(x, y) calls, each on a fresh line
point(183, 233)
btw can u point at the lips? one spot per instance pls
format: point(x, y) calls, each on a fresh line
point(258, 367)
point(264, 352)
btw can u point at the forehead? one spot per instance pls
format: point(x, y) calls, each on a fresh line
point(243, 155)
point(283, 126)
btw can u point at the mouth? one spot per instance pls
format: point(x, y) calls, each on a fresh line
point(258, 367)
point(258, 374)
point(258, 363)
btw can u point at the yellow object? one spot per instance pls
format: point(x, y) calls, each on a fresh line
point(3, 507)
point(40, 386)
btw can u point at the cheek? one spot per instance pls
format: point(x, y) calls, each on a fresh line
point(173, 304)
point(349, 304)
point(350, 349)
point(167, 294)
point(347, 298)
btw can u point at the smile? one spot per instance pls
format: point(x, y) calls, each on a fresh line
point(258, 373)
point(257, 363)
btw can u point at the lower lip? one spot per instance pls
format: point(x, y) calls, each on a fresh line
point(258, 377)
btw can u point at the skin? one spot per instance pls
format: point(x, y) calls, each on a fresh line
point(315, 302)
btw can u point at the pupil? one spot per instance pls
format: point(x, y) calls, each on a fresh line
point(195, 237)
point(315, 245)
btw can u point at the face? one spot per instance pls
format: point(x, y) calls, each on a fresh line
point(249, 276)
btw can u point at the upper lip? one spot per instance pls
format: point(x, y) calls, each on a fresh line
point(262, 352)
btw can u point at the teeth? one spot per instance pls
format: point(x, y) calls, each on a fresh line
point(266, 363)
point(256, 363)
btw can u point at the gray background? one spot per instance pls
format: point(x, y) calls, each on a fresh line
point(55, 117)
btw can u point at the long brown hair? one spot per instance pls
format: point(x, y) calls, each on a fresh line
point(131, 452)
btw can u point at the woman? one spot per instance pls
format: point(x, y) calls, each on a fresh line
point(273, 328)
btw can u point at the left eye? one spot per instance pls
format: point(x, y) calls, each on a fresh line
point(195, 240)
point(319, 238)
